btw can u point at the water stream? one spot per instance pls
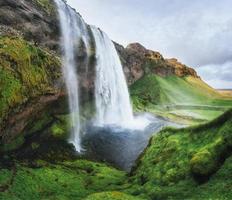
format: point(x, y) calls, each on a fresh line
point(112, 98)
point(73, 30)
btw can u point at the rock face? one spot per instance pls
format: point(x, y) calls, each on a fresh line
point(35, 20)
point(31, 81)
point(138, 61)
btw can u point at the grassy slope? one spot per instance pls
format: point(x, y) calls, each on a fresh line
point(225, 92)
point(190, 163)
point(188, 99)
point(187, 163)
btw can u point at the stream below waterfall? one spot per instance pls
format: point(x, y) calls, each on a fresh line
point(119, 146)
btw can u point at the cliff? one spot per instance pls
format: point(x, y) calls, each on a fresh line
point(32, 87)
point(31, 80)
point(35, 20)
point(139, 61)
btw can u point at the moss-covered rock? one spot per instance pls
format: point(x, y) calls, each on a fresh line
point(203, 163)
point(61, 127)
point(177, 161)
point(30, 78)
point(47, 5)
point(26, 72)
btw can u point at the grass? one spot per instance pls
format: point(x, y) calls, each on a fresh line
point(111, 196)
point(187, 163)
point(67, 180)
point(187, 100)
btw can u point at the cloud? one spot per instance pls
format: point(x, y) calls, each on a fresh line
point(217, 75)
point(198, 32)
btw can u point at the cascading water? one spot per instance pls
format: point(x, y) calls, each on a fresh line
point(73, 30)
point(113, 105)
point(111, 93)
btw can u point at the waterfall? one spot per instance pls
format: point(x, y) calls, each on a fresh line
point(112, 100)
point(111, 93)
point(73, 30)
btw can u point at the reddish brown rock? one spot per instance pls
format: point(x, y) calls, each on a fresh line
point(137, 61)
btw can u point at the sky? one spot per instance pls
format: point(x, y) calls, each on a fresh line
point(198, 33)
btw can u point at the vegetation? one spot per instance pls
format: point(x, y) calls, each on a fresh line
point(66, 180)
point(187, 163)
point(26, 72)
point(46, 5)
point(111, 196)
point(187, 100)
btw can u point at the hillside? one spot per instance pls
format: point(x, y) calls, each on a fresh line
point(169, 88)
point(187, 99)
point(189, 163)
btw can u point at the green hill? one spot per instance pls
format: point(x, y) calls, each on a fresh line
point(186, 100)
point(189, 163)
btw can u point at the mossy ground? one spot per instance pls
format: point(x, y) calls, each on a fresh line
point(111, 196)
point(185, 100)
point(187, 163)
point(66, 180)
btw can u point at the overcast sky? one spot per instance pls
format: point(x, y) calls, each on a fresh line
point(198, 33)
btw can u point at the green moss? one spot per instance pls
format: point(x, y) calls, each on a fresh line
point(67, 180)
point(34, 145)
point(16, 143)
point(111, 196)
point(174, 166)
point(39, 124)
point(46, 5)
point(9, 92)
point(57, 130)
point(61, 127)
point(203, 163)
point(177, 160)
point(5, 176)
point(25, 73)
point(219, 186)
